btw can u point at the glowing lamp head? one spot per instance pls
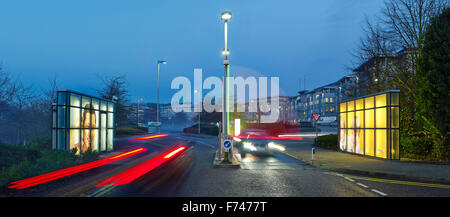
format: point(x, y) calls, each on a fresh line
point(226, 16)
point(162, 61)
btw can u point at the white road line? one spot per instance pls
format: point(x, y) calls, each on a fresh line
point(349, 179)
point(379, 192)
point(362, 185)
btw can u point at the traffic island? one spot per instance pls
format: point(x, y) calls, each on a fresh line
point(220, 163)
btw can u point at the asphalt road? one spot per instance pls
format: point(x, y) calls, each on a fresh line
point(192, 175)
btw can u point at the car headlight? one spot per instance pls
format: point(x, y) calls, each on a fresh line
point(279, 147)
point(237, 139)
point(249, 146)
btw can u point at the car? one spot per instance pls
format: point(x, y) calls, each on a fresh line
point(256, 141)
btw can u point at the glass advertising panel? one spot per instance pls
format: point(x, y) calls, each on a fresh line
point(381, 143)
point(95, 104)
point(343, 107)
point(342, 140)
point(395, 137)
point(395, 99)
point(103, 105)
point(370, 125)
point(76, 122)
point(369, 139)
point(369, 118)
point(86, 102)
point(110, 120)
point(359, 119)
point(110, 140)
point(86, 143)
point(74, 118)
point(369, 102)
point(351, 119)
point(395, 117)
point(380, 100)
point(61, 139)
point(75, 100)
point(61, 117)
point(61, 98)
point(74, 140)
point(110, 107)
point(359, 104)
point(343, 120)
point(359, 148)
point(351, 106)
point(350, 141)
point(381, 118)
point(94, 139)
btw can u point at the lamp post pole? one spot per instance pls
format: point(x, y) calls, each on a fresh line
point(157, 89)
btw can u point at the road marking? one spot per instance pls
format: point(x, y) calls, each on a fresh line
point(379, 192)
point(399, 182)
point(360, 184)
point(101, 191)
point(349, 179)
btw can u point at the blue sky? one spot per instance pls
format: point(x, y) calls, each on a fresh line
point(80, 40)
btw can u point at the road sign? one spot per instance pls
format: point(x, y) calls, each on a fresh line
point(316, 116)
point(227, 144)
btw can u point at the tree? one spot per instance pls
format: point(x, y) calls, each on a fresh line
point(393, 43)
point(433, 87)
point(116, 86)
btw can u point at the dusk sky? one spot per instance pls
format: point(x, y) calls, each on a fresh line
point(80, 40)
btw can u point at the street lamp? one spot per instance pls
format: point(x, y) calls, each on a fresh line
point(157, 90)
point(225, 16)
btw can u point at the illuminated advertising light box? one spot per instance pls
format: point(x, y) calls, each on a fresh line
point(82, 122)
point(369, 125)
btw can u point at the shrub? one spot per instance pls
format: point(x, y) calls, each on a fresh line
point(18, 162)
point(415, 147)
point(327, 141)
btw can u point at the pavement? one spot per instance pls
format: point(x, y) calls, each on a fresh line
point(355, 164)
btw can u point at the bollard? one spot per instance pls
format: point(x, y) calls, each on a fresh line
point(313, 151)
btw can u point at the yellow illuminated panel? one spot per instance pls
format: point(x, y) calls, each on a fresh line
point(359, 104)
point(395, 141)
point(74, 140)
point(395, 117)
point(369, 140)
point(381, 143)
point(351, 105)
point(343, 120)
point(380, 100)
point(369, 118)
point(351, 119)
point(350, 141)
point(395, 99)
point(342, 140)
point(369, 102)
point(380, 116)
point(359, 119)
point(343, 107)
point(359, 146)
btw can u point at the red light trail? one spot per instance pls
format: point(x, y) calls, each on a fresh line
point(29, 182)
point(267, 137)
point(132, 174)
point(149, 137)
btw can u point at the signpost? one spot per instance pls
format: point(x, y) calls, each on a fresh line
point(316, 117)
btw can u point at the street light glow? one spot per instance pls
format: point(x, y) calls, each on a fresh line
point(226, 16)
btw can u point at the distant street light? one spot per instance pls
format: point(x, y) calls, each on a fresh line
point(157, 90)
